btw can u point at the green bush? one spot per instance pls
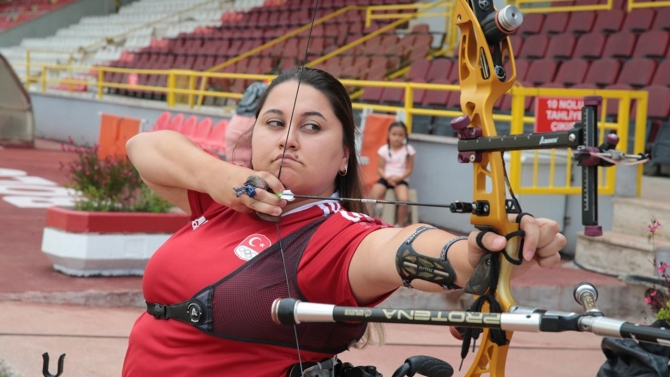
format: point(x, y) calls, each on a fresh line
point(108, 185)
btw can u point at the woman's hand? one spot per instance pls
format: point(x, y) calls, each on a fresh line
point(542, 243)
point(222, 190)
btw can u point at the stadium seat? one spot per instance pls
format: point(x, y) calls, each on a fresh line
point(176, 123)
point(571, 72)
point(639, 20)
point(202, 132)
point(418, 69)
point(637, 72)
point(620, 45)
point(662, 20)
point(581, 22)
point(162, 122)
point(532, 24)
point(652, 44)
point(556, 22)
point(189, 126)
point(534, 47)
point(541, 71)
point(661, 77)
point(590, 46)
point(609, 21)
point(216, 141)
point(439, 69)
point(561, 46)
point(603, 72)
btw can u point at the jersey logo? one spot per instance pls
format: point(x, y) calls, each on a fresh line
point(251, 246)
point(356, 217)
point(197, 222)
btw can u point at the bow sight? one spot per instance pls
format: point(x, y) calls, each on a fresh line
point(581, 139)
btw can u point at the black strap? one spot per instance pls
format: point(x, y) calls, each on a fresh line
point(190, 311)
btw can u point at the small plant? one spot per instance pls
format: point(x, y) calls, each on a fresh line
point(108, 184)
point(657, 297)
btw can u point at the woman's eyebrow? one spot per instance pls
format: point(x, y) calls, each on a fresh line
point(274, 111)
point(314, 113)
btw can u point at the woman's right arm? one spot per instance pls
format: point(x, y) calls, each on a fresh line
point(171, 164)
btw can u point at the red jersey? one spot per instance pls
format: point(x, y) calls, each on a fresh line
point(217, 242)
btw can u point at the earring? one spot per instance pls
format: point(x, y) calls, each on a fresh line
point(343, 173)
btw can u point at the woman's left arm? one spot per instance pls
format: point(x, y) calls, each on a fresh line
point(373, 273)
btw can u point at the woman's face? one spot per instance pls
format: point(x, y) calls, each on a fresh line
point(314, 149)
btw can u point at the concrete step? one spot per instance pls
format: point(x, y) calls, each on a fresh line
point(632, 215)
point(618, 254)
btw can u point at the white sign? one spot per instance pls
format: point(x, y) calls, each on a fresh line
point(21, 190)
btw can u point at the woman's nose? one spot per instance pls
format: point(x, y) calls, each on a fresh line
point(289, 138)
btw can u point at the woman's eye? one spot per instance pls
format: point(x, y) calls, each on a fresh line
point(275, 123)
point(312, 127)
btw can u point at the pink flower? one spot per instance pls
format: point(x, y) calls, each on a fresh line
point(662, 268)
point(654, 226)
point(647, 300)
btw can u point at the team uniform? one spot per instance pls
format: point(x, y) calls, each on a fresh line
point(227, 241)
point(395, 162)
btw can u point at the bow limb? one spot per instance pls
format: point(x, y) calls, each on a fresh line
point(482, 83)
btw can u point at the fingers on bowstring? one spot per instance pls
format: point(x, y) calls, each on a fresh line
point(531, 228)
point(257, 205)
point(273, 183)
point(489, 241)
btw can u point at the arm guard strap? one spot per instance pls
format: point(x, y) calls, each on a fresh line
point(412, 265)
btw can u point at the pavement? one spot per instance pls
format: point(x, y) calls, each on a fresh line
point(89, 319)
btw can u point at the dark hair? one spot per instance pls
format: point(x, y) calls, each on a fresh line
point(350, 185)
point(388, 140)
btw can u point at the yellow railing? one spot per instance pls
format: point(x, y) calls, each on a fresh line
point(450, 26)
point(647, 4)
point(529, 6)
point(517, 118)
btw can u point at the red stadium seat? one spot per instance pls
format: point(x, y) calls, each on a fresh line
point(637, 72)
point(418, 69)
point(439, 69)
point(541, 71)
point(662, 77)
point(176, 123)
point(652, 44)
point(162, 122)
point(639, 20)
point(189, 126)
point(590, 46)
point(534, 47)
point(571, 72)
point(609, 21)
point(202, 132)
point(532, 24)
point(662, 21)
point(556, 22)
point(216, 141)
point(581, 22)
point(603, 72)
point(561, 46)
point(620, 45)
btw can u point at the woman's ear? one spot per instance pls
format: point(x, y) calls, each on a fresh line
point(345, 160)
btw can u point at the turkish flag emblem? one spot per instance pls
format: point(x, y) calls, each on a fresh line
point(251, 246)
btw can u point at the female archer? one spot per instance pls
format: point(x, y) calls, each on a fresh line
point(210, 287)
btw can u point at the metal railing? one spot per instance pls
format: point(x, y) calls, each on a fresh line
point(517, 118)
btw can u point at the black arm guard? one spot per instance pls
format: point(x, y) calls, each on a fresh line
point(411, 265)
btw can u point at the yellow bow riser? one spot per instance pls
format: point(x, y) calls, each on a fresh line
point(480, 88)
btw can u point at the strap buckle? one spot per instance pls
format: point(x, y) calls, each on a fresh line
point(160, 311)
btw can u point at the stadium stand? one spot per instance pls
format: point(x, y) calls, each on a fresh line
point(14, 13)
point(617, 49)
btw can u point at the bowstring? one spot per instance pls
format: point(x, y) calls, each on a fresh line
point(281, 164)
